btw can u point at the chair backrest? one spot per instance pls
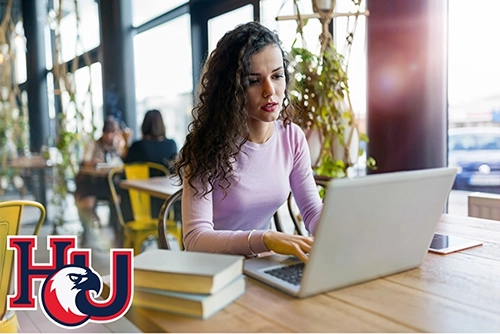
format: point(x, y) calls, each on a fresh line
point(11, 213)
point(170, 224)
point(321, 182)
point(140, 202)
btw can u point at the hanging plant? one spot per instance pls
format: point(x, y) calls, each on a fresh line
point(13, 109)
point(321, 97)
point(323, 106)
point(70, 131)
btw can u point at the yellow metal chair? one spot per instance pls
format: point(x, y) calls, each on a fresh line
point(142, 226)
point(11, 213)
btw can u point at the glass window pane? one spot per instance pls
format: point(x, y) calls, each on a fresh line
point(221, 24)
point(88, 100)
point(145, 10)
point(82, 36)
point(473, 89)
point(355, 57)
point(164, 78)
point(20, 53)
point(48, 46)
point(473, 97)
point(89, 95)
point(286, 26)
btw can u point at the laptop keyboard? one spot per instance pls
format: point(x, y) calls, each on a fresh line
point(292, 274)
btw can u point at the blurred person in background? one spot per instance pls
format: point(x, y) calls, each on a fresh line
point(110, 148)
point(154, 146)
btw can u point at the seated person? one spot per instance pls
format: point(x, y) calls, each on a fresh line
point(110, 147)
point(243, 155)
point(152, 147)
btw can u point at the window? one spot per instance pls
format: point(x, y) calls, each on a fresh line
point(473, 90)
point(356, 57)
point(357, 60)
point(286, 29)
point(20, 53)
point(88, 100)
point(145, 10)
point(474, 96)
point(77, 37)
point(163, 75)
point(221, 24)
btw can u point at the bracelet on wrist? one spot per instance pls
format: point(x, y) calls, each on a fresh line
point(249, 245)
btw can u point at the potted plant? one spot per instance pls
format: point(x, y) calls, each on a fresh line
point(323, 107)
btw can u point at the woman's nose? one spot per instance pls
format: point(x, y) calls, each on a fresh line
point(267, 88)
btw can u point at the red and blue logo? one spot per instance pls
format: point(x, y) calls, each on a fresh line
point(70, 288)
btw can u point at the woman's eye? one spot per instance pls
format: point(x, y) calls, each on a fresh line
point(279, 75)
point(253, 82)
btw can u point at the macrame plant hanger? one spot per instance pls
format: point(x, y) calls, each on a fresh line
point(324, 10)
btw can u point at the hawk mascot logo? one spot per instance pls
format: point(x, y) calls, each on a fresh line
point(70, 289)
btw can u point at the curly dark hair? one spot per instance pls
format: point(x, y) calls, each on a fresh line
point(220, 127)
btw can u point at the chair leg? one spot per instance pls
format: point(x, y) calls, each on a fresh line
point(174, 232)
point(135, 240)
point(128, 240)
point(10, 324)
point(137, 248)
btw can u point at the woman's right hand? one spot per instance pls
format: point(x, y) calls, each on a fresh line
point(288, 244)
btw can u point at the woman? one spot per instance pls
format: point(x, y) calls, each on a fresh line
point(243, 155)
point(154, 146)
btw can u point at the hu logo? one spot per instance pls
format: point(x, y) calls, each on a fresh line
point(69, 285)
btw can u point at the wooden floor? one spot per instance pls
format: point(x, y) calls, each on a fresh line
point(100, 240)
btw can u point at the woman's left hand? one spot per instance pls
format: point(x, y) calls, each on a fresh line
point(289, 244)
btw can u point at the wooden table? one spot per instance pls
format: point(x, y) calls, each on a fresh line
point(156, 186)
point(37, 166)
point(458, 292)
point(35, 162)
point(95, 171)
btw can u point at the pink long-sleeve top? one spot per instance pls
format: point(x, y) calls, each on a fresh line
point(263, 177)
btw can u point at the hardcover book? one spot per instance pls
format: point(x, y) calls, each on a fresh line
point(201, 306)
point(183, 271)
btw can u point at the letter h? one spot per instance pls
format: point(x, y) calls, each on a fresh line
point(27, 271)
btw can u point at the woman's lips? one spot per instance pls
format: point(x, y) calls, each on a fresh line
point(269, 107)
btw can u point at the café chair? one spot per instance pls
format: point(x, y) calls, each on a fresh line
point(169, 227)
point(170, 224)
point(321, 182)
point(142, 226)
point(11, 213)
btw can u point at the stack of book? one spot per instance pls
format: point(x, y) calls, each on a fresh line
point(187, 283)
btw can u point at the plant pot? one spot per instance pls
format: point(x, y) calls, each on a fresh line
point(315, 144)
point(348, 153)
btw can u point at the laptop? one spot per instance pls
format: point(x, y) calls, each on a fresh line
point(370, 227)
